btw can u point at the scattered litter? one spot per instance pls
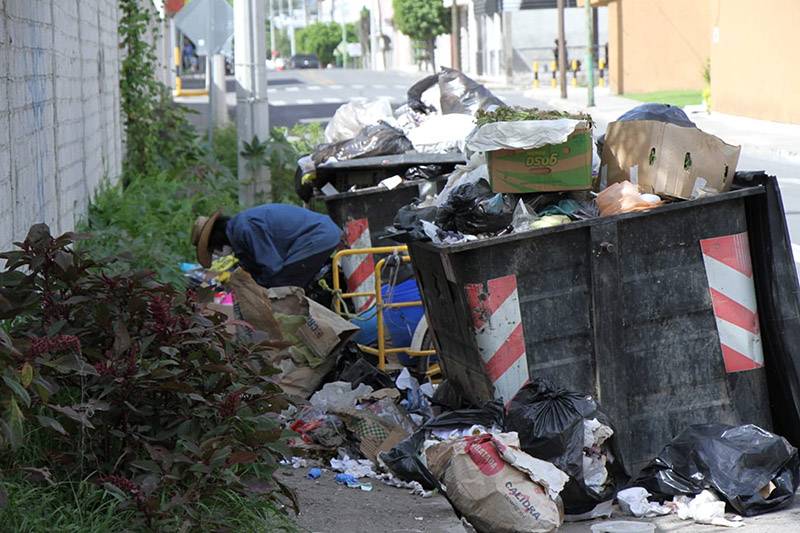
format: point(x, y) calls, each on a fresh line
point(296, 462)
point(329, 190)
point(339, 396)
point(314, 473)
point(357, 468)
point(414, 487)
point(347, 479)
point(705, 508)
point(366, 487)
point(391, 183)
point(634, 502)
point(419, 518)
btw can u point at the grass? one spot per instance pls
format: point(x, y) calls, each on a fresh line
point(676, 98)
point(85, 507)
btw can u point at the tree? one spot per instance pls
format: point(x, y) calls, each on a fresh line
point(423, 21)
point(323, 38)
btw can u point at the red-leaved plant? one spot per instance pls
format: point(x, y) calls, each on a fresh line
point(138, 386)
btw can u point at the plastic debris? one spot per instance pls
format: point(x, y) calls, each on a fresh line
point(314, 473)
point(633, 501)
point(623, 526)
point(705, 508)
point(357, 468)
point(339, 396)
point(623, 197)
point(347, 479)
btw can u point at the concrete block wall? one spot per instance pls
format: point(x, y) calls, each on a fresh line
point(60, 124)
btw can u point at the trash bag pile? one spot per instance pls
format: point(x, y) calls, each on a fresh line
point(440, 111)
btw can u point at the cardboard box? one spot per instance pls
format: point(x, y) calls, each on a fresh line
point(666, 159)
point(550, 168)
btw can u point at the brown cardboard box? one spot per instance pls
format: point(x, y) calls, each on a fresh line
point(666, 159)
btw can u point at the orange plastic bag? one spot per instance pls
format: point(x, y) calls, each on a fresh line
point(622, 197)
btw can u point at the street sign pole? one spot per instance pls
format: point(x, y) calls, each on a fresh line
point(252, 108)
point(211, 91)
point(589, 53)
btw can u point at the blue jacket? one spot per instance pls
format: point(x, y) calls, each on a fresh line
point(268, 237)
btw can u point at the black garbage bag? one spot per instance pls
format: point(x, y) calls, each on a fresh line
point(473, 208)
point(407, 225)
point(404, 459)
point(652, 111)
point(362, 371)
point(373, 140)
point(737, 462)
point(459, 93)
point(550, 423)
point(424, 172)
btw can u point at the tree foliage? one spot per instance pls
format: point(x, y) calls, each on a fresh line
point(422, 20)
point(322, 38)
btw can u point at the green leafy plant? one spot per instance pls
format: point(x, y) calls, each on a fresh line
point(511, 114)
point(422, 21)
point(156, 131)
point(141, 390)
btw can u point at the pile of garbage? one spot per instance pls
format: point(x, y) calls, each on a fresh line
point(549, 455)
point(439, 110)
point(530, 169)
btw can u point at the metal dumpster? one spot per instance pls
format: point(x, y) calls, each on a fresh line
point(654, 313)
point(369, 171)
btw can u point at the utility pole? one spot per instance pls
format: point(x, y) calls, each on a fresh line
point(290, 19)
point(455, 37)
point(589, 53)
point(252, 110)
point(562, 51)
point(272, 30)
point(305, 13)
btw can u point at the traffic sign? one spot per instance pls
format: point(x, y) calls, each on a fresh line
point(208, 23)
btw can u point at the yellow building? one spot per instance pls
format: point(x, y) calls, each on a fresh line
point(656, 45)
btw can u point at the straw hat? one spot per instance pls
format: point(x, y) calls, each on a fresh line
point(201, 232)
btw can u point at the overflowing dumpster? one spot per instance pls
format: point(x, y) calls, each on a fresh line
point(669, 317)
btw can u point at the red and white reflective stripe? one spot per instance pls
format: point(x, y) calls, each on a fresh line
point(497, 322)
point(359, 269)
point(733, 296)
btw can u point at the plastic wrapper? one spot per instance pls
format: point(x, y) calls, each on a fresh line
point(458, 93)
point(472, 208)
point(424, 172)
point(569, 430)
point(353, 116)
point(441, 134)
point(754, 470)
point(339, 396)
point(475, 169)
point(623, 197)
point(523, 134)
point(377, 139)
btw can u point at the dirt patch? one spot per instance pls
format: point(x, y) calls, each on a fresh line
point(327, 507)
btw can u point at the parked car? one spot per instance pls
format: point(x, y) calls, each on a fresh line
point(304, 61)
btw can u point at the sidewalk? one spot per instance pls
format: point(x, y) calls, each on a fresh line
point(762, 138)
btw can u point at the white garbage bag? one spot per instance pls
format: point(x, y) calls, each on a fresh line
point(353, 116)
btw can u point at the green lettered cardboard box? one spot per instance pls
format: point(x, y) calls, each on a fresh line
point(553, 167)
